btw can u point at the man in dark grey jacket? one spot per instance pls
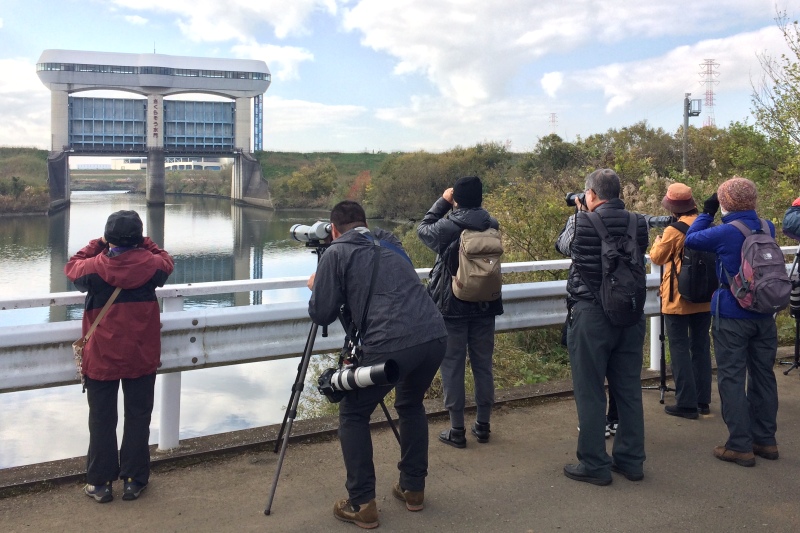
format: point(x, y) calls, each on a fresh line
point(597, 349)
point(469, 324)
point(402, 324)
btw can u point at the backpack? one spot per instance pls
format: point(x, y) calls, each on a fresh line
point(478, 277)
point(697, 279)
point(761, 285)
point(623, 288)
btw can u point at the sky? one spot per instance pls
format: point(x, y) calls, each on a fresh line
point(408, 75)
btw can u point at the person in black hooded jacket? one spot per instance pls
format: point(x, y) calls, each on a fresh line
point(470, 325)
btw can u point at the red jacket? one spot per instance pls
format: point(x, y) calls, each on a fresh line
point(127, 342)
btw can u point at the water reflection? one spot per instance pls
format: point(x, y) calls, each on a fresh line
point(210, 240)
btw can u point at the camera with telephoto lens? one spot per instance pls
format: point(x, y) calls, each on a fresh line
point(316, 232)
point(794, 299)
point(335, 382)
point(572, 196)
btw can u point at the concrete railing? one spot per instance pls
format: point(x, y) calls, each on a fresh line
point(39, 356)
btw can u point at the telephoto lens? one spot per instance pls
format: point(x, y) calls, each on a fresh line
point(794, 299)
point(334, 382)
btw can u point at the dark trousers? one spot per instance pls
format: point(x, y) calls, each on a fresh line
point(600, 351)
point(690, 350)
point(103, 461)
point(418, 366)
point(474, 336)
point(745, 352)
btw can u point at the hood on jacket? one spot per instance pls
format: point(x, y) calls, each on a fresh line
point(129, 270)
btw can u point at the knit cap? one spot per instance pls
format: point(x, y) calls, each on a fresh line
point(468, 191)
point(737, 194)
point(678, 199)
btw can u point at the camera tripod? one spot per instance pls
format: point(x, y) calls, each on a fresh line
point(794, 311)
point(282, 439)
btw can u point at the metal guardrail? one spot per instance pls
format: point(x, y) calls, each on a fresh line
point(39, 356)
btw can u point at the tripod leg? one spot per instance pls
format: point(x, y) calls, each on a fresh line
point(297, 387)
point(291, 411)
point(391, 422)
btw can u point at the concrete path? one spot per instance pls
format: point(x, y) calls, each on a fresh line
point(513, 483)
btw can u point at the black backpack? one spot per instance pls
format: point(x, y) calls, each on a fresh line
point(697, 279)
point(623, 289)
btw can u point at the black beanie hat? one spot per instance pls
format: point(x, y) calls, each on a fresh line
point(468, 191)
point(124, 228)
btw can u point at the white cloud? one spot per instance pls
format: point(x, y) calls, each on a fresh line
point(679, 70)
point(551, 83)
point(1, 22)
point(24, 105)
point(472, 49)
point(136, 20)
point(239, 20)
point(284, 116)
point(283, 61)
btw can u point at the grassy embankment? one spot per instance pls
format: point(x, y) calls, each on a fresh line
point(23, 181)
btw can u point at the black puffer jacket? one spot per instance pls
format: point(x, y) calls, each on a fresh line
point(584, 248)
point(441, 233)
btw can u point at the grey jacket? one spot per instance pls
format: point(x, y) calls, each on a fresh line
point(401, 314)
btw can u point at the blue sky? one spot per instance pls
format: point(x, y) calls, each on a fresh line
point(404, 75)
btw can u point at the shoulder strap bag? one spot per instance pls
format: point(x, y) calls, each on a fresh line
point(77, 346)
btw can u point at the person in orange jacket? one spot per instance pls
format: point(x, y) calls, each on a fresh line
point(687, 324)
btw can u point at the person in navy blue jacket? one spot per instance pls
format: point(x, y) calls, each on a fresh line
point(745, 343)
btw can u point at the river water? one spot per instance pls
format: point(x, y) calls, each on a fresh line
point(210, 240)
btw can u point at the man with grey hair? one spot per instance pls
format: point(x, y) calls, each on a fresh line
point(599, 350)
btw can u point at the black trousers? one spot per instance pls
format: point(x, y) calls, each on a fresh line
point(418, 366)
point(103, 461)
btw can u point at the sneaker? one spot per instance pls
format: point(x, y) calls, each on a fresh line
point(454, 437)
point(767, 452)
point(481, 431)
point(608, 431)
point(100, 493)
point(740, 458)
point(132, 489)
point(414, 499)
point(611, 427)
point(364, 516)
point(685, 412)
point(703, 409)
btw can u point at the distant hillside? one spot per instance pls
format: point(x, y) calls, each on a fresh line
point(281, 164)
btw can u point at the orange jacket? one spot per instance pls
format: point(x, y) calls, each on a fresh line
point(666, 249)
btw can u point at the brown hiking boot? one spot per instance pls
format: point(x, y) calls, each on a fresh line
point(366, 516)
point(414, 499)
point(740, 458)
point(767, 452)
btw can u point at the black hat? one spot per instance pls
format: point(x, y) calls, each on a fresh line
point(468, 191)
point(124, 228)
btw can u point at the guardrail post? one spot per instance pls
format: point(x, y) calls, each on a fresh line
point(170, 415)
point(655, 329)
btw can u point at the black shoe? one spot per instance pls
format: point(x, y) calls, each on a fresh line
point(578, 473)
point(454, 437)
point(481, 431)
point(685, 412)
point(630, 476)
point(703, 409)
point(132, 489)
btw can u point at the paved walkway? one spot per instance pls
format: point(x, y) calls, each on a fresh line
point(513, 483)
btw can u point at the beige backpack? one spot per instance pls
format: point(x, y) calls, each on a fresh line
point(478, 278)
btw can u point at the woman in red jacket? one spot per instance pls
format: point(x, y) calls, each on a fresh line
point(125, 347)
